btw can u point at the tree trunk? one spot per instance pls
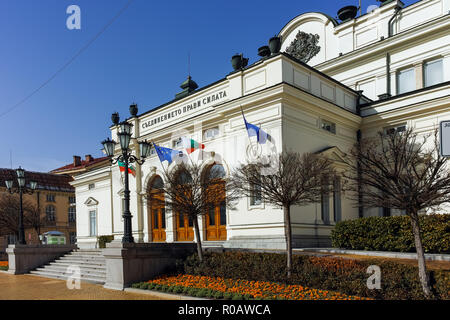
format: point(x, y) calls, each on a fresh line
point(199, 242)
point(423, 276)
point(288, 234)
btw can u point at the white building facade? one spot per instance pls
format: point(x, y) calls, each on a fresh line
point(399, 53)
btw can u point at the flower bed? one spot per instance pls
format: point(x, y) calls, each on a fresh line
point(220, 288)
point(4, 265)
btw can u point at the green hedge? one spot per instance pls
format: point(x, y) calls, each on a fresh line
point(103, 240)
point(398, 281)
point(393, 234)
point(4, 268)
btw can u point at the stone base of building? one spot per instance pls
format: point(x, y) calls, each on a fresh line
point(277, 242)
point(24, 258)
point(127, 263)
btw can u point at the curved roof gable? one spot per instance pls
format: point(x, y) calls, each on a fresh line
point(315, 23)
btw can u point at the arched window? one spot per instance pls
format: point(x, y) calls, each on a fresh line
point(50, 213)
point(216, 171)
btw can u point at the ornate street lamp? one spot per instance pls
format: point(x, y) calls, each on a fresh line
point(21, 189)
point(124, 134)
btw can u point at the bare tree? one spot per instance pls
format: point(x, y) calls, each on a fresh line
point(295, 179)
point(190, 191)
point(9, 215)
point(401, 171)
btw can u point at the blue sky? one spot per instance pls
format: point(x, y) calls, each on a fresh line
point(142, 57)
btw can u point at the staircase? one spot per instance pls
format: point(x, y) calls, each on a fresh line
point(91, 263)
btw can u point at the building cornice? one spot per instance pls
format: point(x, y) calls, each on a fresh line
point(417, 32)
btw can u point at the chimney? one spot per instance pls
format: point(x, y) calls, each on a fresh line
point(76, 161)
point(88, 158)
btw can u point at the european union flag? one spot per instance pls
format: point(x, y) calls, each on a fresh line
point(253, 130)
point(165, 153)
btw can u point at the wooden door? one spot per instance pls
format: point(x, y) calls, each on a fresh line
point(158, 217)
point(216, 222)
point(185, 227)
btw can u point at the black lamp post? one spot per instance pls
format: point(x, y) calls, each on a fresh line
point(126, 158)
point(21, 189)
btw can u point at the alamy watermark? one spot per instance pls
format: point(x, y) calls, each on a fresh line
point(74, 20)
point(74, 277)
point(374, 281)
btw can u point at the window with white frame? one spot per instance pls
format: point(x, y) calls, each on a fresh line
point(433, 72)
point(256, 195)
point(72, 214)
point(328, 126)
point(177, 143)
point(50, 213)
point(211, 133)
point(93, 223)
point(406, 80)
point(394, 129)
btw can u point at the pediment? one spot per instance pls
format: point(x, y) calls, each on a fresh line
point(334, 154)
point(91, 202)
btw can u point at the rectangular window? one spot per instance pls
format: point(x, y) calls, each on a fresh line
point(163, 218)
point(211, 215)
point(223, 214)
point(178, 143)
point(328, 126)
point(73, 237)
point(72, 214)
point(50, 198)
point(433, 72)
point(256, 196)
point(93, 223)
point(71, 200)
point(91, 186)
point(325, 204)
point(181, 220)
point(394, 129)
point(406, 80)
point(337, 200)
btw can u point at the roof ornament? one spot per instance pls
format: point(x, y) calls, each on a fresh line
point(304, 47)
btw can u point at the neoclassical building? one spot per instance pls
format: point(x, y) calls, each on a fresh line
point(384, 70)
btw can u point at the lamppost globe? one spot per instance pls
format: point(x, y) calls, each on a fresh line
point(9, 184)
point(21, 182)
point(124, 139)
point(33, 185)
point(125, 127)
point(145, 148)
point(108, 146)
point(20, 173)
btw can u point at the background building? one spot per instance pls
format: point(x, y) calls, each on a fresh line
point(53, 199)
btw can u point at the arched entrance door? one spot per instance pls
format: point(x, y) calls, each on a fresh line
point(157, 211)
point(184, 223)
point(216, 217)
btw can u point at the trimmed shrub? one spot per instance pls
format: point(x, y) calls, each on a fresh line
point(398, 281)
point(103, 240)
point(393, 234)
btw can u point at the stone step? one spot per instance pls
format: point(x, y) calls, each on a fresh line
point(67, 263)
point(57, 275)
point(83, 271)
point(90, 253)
point(82, 261)
point(72, 257)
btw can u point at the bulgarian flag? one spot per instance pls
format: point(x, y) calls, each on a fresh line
point(131, 169)
point(191, 145)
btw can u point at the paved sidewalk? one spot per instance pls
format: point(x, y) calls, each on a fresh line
point(29, 287)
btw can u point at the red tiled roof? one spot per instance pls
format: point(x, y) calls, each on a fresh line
point(45, 181)
point(83, 165)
